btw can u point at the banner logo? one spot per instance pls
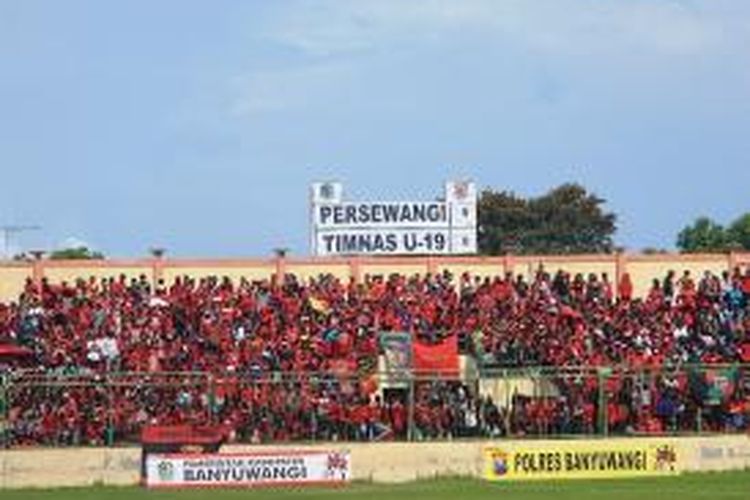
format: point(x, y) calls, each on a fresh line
point(460, 190)
point(499, 462)
point(165, 471)
point(326, 191)
point(338, 465)
point(666, 457)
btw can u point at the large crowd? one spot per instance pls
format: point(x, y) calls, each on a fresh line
point(295, 359)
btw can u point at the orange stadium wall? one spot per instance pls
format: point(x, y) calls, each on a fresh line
point(13, 276)
point(642, 268)
point(378, 462)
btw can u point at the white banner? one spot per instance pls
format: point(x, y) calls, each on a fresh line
point(393, 241)
point(247, 469)
point(381, 214)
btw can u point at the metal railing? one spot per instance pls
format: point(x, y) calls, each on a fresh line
point(624, 400)
point(64, 409)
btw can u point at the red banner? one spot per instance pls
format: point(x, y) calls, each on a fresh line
point(14, 351)
point(439, 358)
point(183, 434)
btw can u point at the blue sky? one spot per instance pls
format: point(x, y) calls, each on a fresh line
point(198, 125)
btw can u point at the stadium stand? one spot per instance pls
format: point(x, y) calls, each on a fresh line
point(287, 359)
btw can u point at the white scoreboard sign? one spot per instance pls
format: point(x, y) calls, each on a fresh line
point(391, 228)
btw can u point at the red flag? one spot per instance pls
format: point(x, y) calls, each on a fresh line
point(439, 358)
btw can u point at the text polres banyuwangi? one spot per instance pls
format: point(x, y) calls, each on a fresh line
point(569, 461)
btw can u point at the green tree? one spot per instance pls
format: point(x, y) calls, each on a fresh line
point(78, 253)
point(739, 232)
point(704, 235)
point(654, 251)
point(567, 219)
point(503, 222)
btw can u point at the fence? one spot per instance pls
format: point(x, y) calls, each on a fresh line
point(65, 409)
point(622, 400)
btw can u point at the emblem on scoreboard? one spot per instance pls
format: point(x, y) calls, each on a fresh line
point(327, 191)
point(165, 470)
point(461, 190)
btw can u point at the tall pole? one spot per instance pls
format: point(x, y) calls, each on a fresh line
point(410, 410)
point(7, 231)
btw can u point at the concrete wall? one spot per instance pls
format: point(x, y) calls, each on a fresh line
point(248, 269)
point(381, 462)
point(475, 267)
point(51, 468)
point(57, 272)
point(642, 268)
point(572, 264)
point(304, 271)
point(12, 279)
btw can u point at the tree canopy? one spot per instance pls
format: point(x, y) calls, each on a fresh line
point(567, 219)
point(707, 235)
point(739, 231)
point(77, 253)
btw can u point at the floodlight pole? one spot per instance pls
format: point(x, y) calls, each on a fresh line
point(9, 230)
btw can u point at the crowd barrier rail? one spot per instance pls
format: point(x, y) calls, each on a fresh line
point(109, 409)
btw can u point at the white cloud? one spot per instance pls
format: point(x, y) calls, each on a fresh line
point(331, 27)
point(73, 242)
point(347, 44)
point(276, 90)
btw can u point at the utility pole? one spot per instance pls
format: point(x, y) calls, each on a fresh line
point(9, 230)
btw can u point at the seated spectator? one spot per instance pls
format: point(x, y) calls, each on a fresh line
point(255, 345)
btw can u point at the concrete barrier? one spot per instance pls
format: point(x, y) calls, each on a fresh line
point(717, 453)
point(47, 468)
point(401, 462)
point(641, 268)
point(379, 462)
